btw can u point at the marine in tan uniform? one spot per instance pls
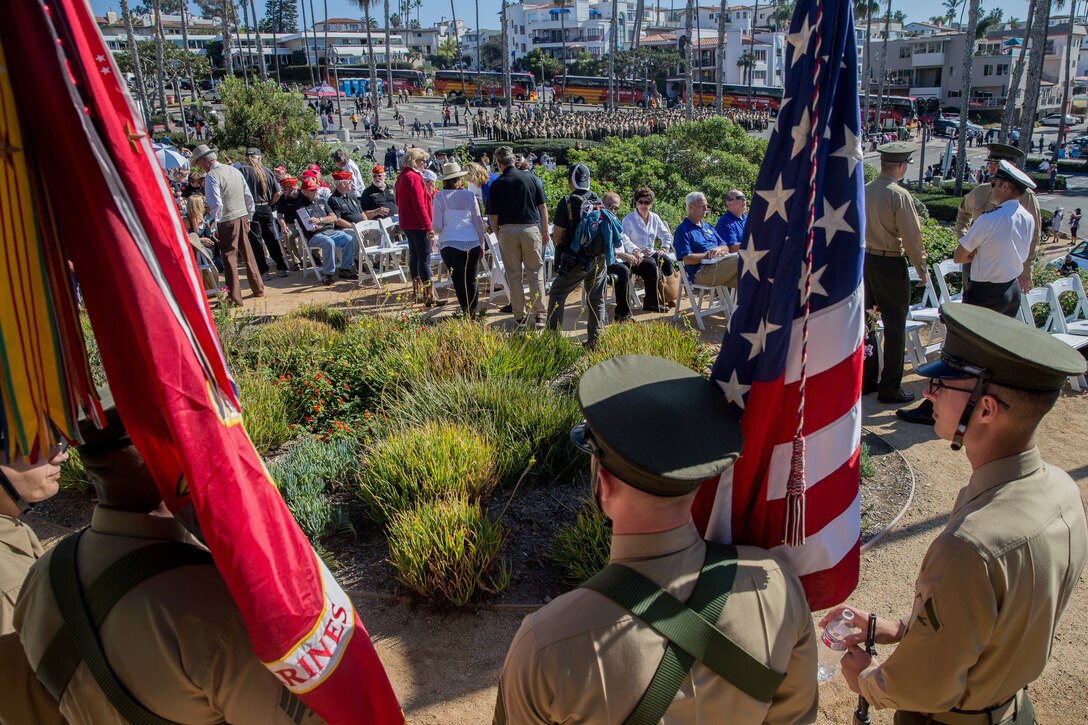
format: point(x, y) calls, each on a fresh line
point(585, 657)
point(893, 235)
point(994, 583)
point(175, 641)
point(22, 484)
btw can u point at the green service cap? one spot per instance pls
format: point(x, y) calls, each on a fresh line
point(896, 152)
point(999, 151)
point(1013, 353)
point(657, 425)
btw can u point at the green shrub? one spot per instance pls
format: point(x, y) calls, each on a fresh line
point(304, 476)
point(661, 339)
point(871, 172)
point(865, 462)
point(529, 424)
point(94, 357)
point(334, 317)
point(458, 347)
point(581, 548)
point(533, 357)
point(943, 209)
point(73, 476)
point(448, 551)
point(265, 409)
point(938, 240)
point(288, 343)
point(425, 463)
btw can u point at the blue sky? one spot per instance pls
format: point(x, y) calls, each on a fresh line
point(433, 10)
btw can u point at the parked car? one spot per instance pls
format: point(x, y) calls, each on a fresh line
point(1054, 119)
point(949, 125)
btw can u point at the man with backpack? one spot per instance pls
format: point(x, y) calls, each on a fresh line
point(586, 236)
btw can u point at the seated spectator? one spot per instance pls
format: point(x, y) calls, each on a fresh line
point(648, 232)
point(455, 217)
point(700, 248)
point(1069, 267)
point(346, 206)
point(631, 260)
point(730, 226)
point(318, 226)
point(379, 195)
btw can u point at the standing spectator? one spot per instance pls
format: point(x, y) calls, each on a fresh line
point(319, 227)
point(586, 265)
point(391, 160)
point(344, 162)
point(1056, 221)
point(477, 178)
point(354, 121)
point(518, 212)
point(631, 260)
point(265, 189)
point(430, 180)
point(230, 205)
point(415, 220)
point(456, 218)
point(1051, 177)
point(730, 226)
point(1074, 224)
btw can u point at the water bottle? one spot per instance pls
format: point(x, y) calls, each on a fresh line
point(831, 647)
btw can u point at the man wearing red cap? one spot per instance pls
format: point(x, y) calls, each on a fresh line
point(346, 205)
point(318, 225)
point(378, 195)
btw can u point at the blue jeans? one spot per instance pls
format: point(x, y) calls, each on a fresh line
point(328, 243)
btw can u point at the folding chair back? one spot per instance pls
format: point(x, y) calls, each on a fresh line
point(705, 300)
point(377, 260)
point(1077, 322)
point(940, 271)
point(305, 254)
point(1047, 296)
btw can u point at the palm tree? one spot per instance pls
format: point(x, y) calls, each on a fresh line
point(746, 61)
point(562, 5)
point(506, 84)
point(228, 56)
point(689, 70)
point(719, 97)
point(238, 41)
point(388, 61)
point(951, 6)
point(185, 41)
point(458, 59)
point(306, 43)
point(640, 13)
point(160, 81)
point(326, 44)
point(965, 94)
point(1065, 86)
point(613, 46)
point(262, 71)
point(866, 8)
point(137, 72)
point(364, 5)
point(883, 65)
point(245, 24)
point(1017, 76)
point(1035, 73)
point(752, 50)
point(783, 13)
point(1014, 23)
point(477, 3)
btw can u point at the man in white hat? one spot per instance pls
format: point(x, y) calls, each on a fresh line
point(998, 243)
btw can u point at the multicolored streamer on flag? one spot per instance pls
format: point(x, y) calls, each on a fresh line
point(104, 200)
point(791, 360)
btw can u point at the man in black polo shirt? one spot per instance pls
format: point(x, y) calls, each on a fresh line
point(348, 207)
point(518, 212)
point(378, 195)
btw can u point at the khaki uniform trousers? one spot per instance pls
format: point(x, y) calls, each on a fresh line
point(1018, 711)
point(232, 240)
point(723, 273)
point(523, 259)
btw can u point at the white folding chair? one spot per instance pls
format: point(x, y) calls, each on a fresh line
point(305, 253)
point(940, 271)
point(500, 287)
point(1076, 323)
point(705, 300)
point(380, 261)
point(914, 352)
point(1043, 296)
point(927, 311)
point(205, 263)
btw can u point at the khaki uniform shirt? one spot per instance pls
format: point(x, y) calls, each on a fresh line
point(19, 549)
point(891, 222)
point(585, 659)
point(176, 642)
point(991, 590)
point(977, 201)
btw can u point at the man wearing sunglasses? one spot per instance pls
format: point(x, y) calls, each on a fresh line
point(593, 654)
point(995, 582)
point(22, 484)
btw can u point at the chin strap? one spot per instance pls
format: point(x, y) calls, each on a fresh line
point(982, 377)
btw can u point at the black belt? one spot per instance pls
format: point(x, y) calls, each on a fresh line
point(879, 253)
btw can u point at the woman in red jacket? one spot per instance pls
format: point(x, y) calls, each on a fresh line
point(414, 206)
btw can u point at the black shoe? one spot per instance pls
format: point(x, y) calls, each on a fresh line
point(655, 308)
point(506, 310)
point(325, 280)
point(900, 397)
point(281, 273)
point(623, 318)
point(922, 415)
point(349, 274)
point(267, 276)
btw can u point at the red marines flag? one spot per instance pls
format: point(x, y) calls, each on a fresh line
point(116, 222)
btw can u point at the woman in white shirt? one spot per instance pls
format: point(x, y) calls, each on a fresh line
point(648, 232)
point(455, 217)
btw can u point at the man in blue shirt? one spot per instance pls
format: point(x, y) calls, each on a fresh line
point(695, 241)
point(730, 226)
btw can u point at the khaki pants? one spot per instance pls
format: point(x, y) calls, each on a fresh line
point(232, 240)
point(523, 260)
point(723, 273)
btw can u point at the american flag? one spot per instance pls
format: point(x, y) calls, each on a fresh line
point(116, 221)
point(791, 360)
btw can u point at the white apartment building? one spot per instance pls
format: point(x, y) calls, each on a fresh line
point(471, 39)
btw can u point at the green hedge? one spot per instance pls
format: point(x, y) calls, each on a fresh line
point(1071, 165)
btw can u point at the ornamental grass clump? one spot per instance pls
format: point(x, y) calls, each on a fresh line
point(266, 411)
point(581, 548)
point(458, 347)
point(306, 474)
point(527, 422)
point(448, 550)
point(535, 357)
point(423, 463)
point(73, 476)
point(287, 343)
point(334, 317)
point(653, 338)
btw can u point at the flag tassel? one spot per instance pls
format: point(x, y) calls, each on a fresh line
point(794, 533)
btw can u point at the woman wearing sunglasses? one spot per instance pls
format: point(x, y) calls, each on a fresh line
point(648, 232)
